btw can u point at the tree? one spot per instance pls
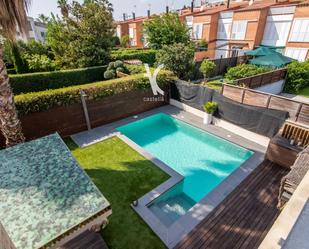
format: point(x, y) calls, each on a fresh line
point(166, 30)
point(178, 58)
point(207, 67)
point(83, 37)
point(12, 15)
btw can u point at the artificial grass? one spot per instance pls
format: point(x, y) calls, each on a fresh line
point(122, 175)
point(304, 92)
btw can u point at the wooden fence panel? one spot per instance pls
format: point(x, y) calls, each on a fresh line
point(233, 93)
point(284, 104)
point(303, 116)
point(256, 99)
point(298, 112)
point(262, 79)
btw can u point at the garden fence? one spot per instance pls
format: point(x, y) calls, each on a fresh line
point(262, 79)
point(298, 111)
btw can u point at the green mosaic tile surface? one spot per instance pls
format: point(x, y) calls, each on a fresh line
point(44, 192)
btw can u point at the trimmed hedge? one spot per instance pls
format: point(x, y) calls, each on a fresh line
point(146, 56)
point(45, 100)
point(34, 82)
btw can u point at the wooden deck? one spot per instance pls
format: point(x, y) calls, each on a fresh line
point(87, 240)
point(243, 219)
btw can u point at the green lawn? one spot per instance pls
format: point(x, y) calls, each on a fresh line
point(122, 175)
point(304, 92)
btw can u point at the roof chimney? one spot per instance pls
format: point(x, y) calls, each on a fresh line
point(167, 9)
point(133, 14)
point(148, 13)
point(228, 3)
point(192, 6)
point(124, 16)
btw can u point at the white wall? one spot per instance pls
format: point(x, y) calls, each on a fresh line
point(274, 88)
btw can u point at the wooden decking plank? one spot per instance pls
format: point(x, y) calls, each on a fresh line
point(241, 219)
point(229, 203)
point(86, 240)
point(261, 211)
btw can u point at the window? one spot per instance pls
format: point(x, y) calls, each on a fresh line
point(239, 30)
point(118, 31)
point(224, 29)
point(43, 34)
point(300, 30)
point(197, 31)
point(299, 54)
point(131, 33)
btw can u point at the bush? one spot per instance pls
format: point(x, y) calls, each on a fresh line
point(298, 76)
point(11, 71)
point(40, 63)
point(118, 64)
point(34, 82)
point(109, 74)
point(178, 58)
point(124, 41)
point(45, 100)
point(146, 56)
point(245, 70)
point(20, 63)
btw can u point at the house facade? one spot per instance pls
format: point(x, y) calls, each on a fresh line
point(36, 31)
point(232, 29)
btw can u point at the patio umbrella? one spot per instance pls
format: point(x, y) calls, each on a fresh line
point(260, 51)
point(273, 60)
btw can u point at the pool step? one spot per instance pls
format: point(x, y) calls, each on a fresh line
point(168, 211)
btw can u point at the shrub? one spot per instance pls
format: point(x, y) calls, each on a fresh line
point(113, 68)
point(109, 74)
point(207, 67)
point(210, 107)
point(118, 64)
point(11, 71)
point(45, 100)
point(146, 56)
point(40, 63)
point(178, 58)
point(245, 70)
point(34, 82)
point(20, 63)
point(124, 41)
point(298, 76)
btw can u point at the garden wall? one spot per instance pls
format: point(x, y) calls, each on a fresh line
point(67, 120)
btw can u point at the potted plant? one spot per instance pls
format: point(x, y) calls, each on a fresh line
point(210, 108)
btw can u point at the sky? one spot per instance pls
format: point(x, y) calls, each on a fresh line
point(120, 6)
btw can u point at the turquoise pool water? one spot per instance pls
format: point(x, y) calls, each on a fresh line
point(203, 159)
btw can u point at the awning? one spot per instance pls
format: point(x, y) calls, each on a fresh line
point(273, 60)
point(260, 51)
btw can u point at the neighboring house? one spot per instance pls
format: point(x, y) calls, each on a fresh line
point(36, 31)
point(297, 45)
point(241, 26)
point(134, 29)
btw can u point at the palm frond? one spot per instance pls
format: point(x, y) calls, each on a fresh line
point(13, 14)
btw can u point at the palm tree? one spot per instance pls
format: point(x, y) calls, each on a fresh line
point(12, 15)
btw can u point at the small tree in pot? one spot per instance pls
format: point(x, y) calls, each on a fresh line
point(210, 108)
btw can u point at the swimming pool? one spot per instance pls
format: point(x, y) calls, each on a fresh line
point(204, 160)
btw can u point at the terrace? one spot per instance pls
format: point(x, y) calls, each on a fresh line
point(152, 204)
